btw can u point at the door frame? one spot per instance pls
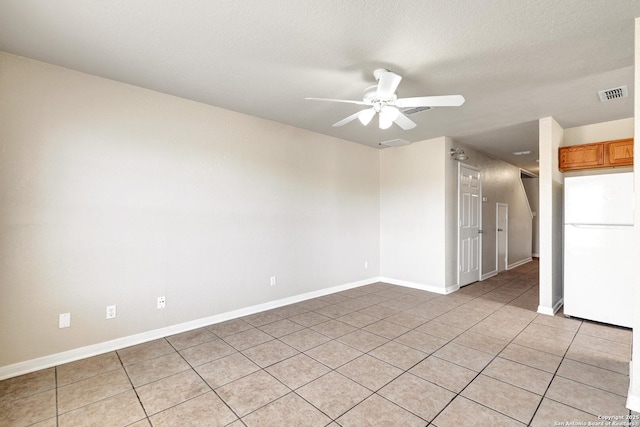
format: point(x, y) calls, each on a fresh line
point(458, 223)
point(506, 236)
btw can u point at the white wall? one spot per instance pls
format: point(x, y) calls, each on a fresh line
point(550, 221)
point(633, 398)
point(112, 194)
point(605, 131)
point(412, 215)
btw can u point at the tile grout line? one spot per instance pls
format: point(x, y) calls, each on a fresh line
point(449, 341)
point(133, 387)
point(55, 370)
point(480, 372)
point(367, 353)
point(193, 368)
point(554, 376)
point(570, 379)
point(303, 352)
point(405, 371)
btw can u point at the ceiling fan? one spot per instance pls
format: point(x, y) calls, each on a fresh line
point(382, 99)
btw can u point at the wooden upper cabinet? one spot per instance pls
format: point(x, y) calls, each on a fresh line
point(605, 154)
point(620, 152)
point(578, 157)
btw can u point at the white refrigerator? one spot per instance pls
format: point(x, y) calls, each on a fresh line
point(598, 247)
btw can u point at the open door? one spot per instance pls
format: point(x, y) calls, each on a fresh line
point(469, 221)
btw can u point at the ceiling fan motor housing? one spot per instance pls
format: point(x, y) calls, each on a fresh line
point(370, 97)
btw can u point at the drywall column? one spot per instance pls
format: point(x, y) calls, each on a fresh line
point(550, 217)
point(412, 215)
point(633, 398)
point(451, 217)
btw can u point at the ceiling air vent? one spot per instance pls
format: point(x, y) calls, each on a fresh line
point(415, 110)
point(615, 93)
point(395, 143)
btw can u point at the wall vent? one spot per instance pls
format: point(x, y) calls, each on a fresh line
point(395, 143)
point(614, 93)
point(415, 110)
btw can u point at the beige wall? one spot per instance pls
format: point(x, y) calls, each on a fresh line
point(605, 131)
point(112, 194)
point(412, 214)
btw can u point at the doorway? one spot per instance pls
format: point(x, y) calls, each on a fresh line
point(502, 236)
point(469, 220)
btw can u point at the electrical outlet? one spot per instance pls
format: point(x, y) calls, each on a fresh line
point(111, 312)
point(64, 321)
point(273, 280)
point(161, 302)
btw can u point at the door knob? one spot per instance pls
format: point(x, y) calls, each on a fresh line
point(500, 229)
point(479, 231)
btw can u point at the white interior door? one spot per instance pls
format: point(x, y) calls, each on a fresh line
point(502, 235)
point(469, 220)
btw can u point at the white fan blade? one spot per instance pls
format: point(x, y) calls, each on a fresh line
point(346, 120)
point(431, 101)
point(404, 122)
point(387, 85)
point(346, 101)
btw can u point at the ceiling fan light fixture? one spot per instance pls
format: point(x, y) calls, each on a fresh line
point(384, 122)
point(365, 116)
point(387, 116)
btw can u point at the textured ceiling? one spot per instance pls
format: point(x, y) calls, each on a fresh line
point(514, 61)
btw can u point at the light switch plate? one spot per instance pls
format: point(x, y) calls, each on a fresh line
point(64, 320)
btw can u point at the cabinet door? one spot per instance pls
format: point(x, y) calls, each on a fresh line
point(620, 152)
point(581, 157)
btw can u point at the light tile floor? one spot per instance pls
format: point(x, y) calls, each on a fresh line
point(378, 355)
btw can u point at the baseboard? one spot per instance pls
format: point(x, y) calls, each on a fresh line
point(49, 361)
point(422, 287)
point(633, 400)
point(485, 276)
point(535, 255)
point(551, 311)
point(519, 263)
